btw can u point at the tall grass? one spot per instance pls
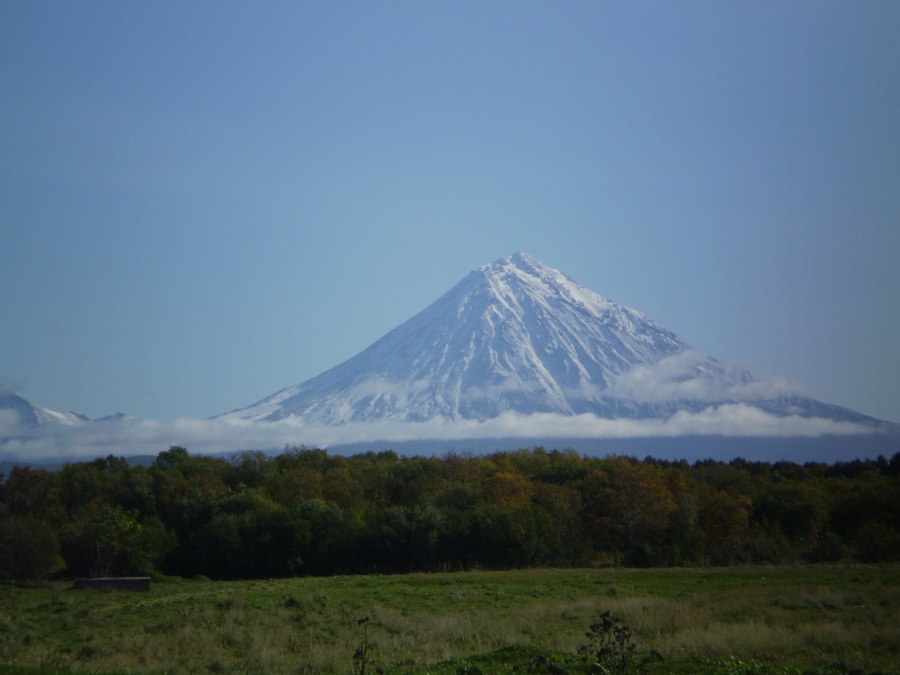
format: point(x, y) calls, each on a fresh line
point(821, 618)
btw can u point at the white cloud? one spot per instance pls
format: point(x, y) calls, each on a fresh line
point(690, 375)
point(10, 424)
point(131, 436)
point(686, 376)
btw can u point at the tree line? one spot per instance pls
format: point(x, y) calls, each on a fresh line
point(305, 512)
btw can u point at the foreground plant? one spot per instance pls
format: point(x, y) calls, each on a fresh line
point(361, 656)
point(610, 647)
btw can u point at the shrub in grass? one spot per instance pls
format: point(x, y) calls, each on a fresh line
point(610, 645)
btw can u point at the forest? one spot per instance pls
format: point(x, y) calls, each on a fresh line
point(305, 512)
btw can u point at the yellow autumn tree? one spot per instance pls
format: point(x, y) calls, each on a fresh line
point(508, 488)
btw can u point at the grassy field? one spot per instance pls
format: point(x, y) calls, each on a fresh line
point(822, 619)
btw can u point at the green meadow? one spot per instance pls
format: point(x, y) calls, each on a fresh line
point(782, 619)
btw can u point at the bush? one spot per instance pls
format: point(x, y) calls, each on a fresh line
point(610, 647)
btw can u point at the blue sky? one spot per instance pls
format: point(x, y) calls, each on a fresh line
point(204, 202)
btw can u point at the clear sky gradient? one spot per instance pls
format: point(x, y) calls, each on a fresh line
point(204, 202)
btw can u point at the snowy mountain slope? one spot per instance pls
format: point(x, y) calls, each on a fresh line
point(516, 335)
point(18, 413)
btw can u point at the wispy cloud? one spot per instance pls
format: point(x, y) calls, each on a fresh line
point(10, 423)
point(691, 375)
point(131, 436)
point(686, 376)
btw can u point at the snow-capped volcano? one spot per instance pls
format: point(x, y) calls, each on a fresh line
point(516, 335)
point(515, 351)
point(20, 413)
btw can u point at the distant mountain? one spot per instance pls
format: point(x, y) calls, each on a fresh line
point(516, 354)
point(18, 412)
point(516, 335)
point(22, 419)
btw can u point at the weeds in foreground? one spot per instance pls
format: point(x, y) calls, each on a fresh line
point(610, 646)
point(361, 656)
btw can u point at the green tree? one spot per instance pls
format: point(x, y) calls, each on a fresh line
point(627, 508)
point(723, 519)
point(34, 492)
point(102, 543)
point(509, 489)
point(296, 483)
point(29, 548)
